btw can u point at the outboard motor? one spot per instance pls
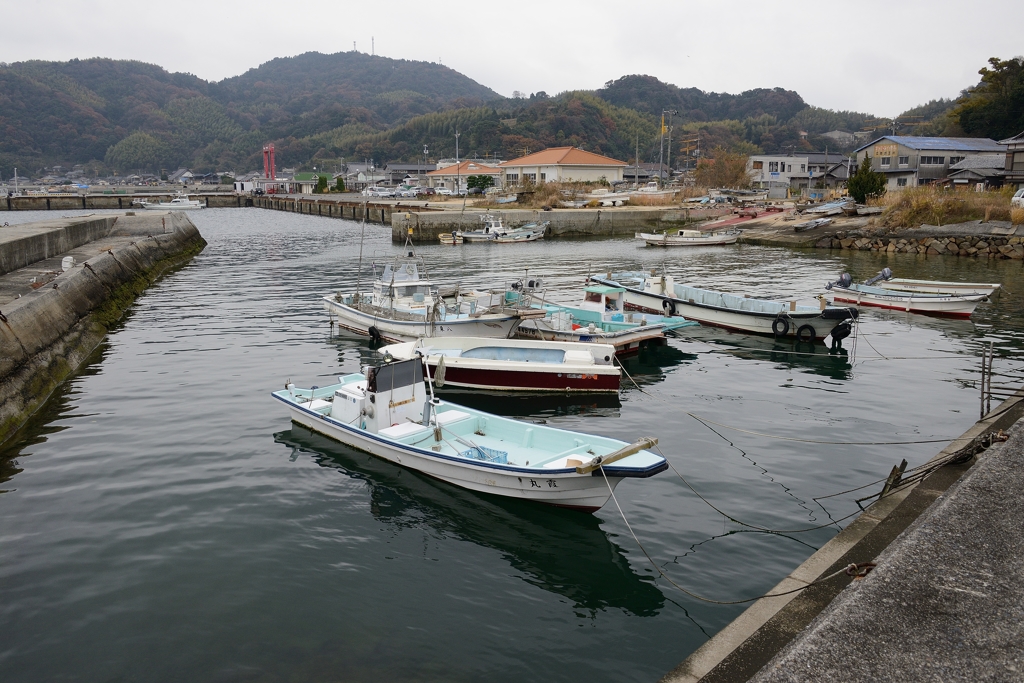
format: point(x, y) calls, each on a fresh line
point(884, 274)
point(839, 333)
point(844, 281)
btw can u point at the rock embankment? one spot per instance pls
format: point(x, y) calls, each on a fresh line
point(52, 319)
point(982, 246)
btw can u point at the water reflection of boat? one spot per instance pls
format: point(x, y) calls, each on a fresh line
point(653, 363)
point(563, 553)
point(804, 356)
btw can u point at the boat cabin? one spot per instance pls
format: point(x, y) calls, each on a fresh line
point(603, 299)
point(400, 282)
point(385, 398)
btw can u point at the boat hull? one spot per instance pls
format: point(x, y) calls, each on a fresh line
point(487, 325)
point(565, 380)
point(945, 306)
point(562, 488)
point(821, 322)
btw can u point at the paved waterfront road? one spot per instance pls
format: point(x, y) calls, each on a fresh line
point(162, 520)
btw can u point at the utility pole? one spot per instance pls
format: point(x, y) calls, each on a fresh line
point(458, 169)
point(636, 167)
point(661, 153)
point(670, 113)
point(424, 163)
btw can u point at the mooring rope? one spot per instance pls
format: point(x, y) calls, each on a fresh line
point(851, 569)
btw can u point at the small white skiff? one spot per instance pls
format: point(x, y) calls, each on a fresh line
point(514, 364)
point(385, 411)
point(947, 305)
point(939, 287)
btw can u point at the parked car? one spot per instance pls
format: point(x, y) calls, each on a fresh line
point(475, 190)
point(444, 192)
point(428, 191)
point(1018, 199)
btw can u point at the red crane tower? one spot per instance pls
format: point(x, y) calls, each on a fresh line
point(268, 162)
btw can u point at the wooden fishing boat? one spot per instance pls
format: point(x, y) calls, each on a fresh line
point(385, 411)
point(948, 305)
point(689, 238)
point(450, 238)
point(661, 294)
point(514, 364)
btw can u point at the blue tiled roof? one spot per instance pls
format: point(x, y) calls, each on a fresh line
point(942, 144)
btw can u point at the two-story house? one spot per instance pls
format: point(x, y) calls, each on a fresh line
point(907, 161)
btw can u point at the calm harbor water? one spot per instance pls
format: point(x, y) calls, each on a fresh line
point(161, 519)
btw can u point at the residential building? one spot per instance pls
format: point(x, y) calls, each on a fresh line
point(982, 172)
point(562, 164)
point(907, 161)
point(456, 175)
point(1014, 166)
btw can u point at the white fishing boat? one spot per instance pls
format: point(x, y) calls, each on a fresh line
point(514, 364)
point(385, 411)
point(989, 289)
point(652, 189)
point(605, 197)
point(948, 305)
point(402, 306)
point(492, 227)
point(450, 238)
point(689, 238)
point(181, 202)
point(811, 224)
point(530, 232)
point(660, 294)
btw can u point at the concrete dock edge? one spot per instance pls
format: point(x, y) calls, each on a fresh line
point(47, 333)
point(749, 642)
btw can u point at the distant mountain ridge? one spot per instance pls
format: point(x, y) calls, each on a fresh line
point(123, 116)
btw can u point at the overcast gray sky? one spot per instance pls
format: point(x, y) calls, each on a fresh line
point(878, 56)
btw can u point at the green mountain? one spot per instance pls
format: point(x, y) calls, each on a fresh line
point(130, 115)
point(122, 116)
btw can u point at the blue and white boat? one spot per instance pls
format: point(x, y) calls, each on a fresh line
point(602, 318)
point(385, 411)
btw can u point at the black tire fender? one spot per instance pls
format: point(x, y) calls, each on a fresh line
point(806, 333)
point(669, 306)
point(780, 327)
point(374, 333)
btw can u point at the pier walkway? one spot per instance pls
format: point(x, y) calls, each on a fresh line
point(945, 601)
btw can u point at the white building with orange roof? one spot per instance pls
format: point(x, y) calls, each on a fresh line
point(562, 164)
point(456, 175)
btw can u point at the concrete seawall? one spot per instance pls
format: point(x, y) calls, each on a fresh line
point(114, 201)
point(376, 212)
point(609, 222)
point(51, 321)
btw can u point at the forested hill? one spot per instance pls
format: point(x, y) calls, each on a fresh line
point(123, 116)
point(133, 115)
point(648, 94)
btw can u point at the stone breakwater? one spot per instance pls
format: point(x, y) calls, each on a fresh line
point(980, 246)
point(51, 319)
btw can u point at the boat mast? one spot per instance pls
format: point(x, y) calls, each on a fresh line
point(359, 270)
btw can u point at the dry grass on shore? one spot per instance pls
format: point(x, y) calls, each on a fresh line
point(1017, 216)
point(917, 206)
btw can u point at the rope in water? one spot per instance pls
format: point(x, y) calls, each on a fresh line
point(851, 569)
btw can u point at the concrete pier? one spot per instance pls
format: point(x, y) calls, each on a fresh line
point(51, 319)
point(914, 620)
point(114, 200)
point(375, 212)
